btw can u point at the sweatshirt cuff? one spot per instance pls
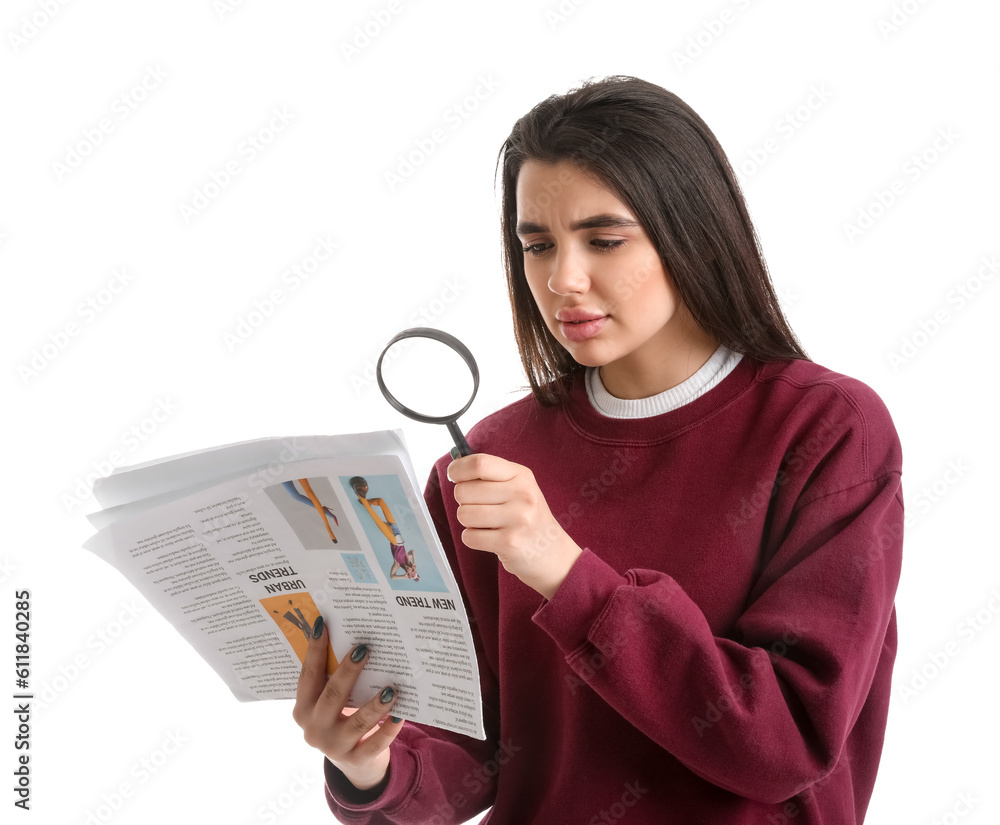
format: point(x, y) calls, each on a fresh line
point(578, 602)
point(344, 798)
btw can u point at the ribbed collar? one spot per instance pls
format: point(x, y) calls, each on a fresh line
point(717, 367)
point(656, 428)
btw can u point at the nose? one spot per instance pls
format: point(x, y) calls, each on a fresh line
point(568, 275)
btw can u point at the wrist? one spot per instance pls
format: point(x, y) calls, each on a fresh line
point(341, 788)
point(367, 782)
point(561, 558)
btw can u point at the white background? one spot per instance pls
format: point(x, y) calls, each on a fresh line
point(867, 86)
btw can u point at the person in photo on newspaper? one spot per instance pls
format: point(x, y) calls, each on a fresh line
point(402, 559)
point(297, 619)
point(313, 502)
point(680, 552)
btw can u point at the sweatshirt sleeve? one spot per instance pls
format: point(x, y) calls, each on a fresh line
point(765, 711)
point(434, 775)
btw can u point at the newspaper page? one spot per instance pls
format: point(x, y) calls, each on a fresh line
point(244, 567)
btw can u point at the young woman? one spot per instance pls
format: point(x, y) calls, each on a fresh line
point(680, 552)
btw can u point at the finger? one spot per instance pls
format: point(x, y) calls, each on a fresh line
point(380, 739)
point(363, 721)
point(480, 538)
point(312, 677)
point(482, 492)
point(337, 691)
point(483, 516)
point(483, 466)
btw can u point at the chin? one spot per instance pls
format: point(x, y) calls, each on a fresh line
point(588, 361)
point(589, 354)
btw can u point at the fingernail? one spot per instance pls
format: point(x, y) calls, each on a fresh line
point(396, 719)
point(318, 628)
point(386, 696)
point(359, 653)
point(456, 453)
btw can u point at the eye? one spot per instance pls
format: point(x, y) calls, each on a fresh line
point(536, 249)
point(606, 244)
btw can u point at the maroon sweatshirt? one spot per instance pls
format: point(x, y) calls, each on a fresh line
point(722, 650)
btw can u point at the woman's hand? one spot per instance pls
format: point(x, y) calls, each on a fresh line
point(355, 741)
point(505, 513)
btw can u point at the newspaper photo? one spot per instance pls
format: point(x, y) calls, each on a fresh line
point(242, 547)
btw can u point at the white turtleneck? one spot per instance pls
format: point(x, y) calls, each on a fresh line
point(709, 375)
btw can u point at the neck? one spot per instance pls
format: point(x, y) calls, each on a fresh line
point(677, 359)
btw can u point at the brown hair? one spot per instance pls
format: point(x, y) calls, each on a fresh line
point(663, 162)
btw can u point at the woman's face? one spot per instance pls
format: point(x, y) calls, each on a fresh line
point(600, 285)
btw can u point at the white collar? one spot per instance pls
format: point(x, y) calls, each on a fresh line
point(716, 368)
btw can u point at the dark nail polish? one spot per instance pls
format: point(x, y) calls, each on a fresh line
point(318, 628)
point(397, 719)
point(359, 653)
point(386, 696)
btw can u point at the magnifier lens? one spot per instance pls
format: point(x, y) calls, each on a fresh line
point(428, 376)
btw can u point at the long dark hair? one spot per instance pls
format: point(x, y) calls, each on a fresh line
point(663, 162)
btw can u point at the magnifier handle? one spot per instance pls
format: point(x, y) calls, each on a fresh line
point(461, 445)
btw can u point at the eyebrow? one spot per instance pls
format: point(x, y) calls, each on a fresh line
point(593, 222)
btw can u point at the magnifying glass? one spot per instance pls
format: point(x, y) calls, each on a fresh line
point(426, 374)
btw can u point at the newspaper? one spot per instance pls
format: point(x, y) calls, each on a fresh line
point(243, 547)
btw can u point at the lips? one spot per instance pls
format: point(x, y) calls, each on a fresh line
point(577, 315)
point(580, 324)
